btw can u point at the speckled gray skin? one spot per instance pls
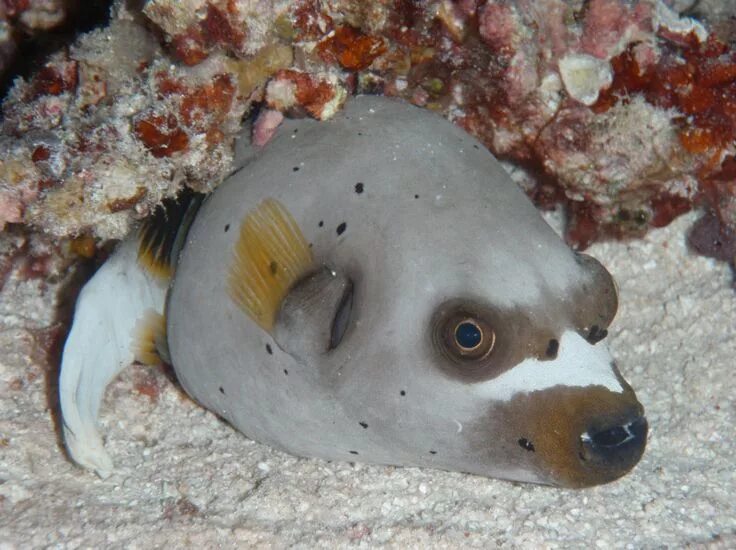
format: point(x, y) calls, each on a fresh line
point(438, 222)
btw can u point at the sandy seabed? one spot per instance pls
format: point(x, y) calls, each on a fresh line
point(184, 478)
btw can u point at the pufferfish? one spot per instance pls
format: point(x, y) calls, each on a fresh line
point(373, 288)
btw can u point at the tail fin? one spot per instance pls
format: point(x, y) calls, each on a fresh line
point(100, 345)
point(121, 304)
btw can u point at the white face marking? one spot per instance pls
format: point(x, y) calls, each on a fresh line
point(578, 364)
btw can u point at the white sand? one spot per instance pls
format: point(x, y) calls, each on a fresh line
point(185, 478)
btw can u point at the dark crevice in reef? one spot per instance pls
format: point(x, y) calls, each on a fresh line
point(34, 48)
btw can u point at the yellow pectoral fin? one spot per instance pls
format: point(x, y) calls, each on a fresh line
point(270, 256)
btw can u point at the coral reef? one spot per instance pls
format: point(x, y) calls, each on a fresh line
point(624, 110)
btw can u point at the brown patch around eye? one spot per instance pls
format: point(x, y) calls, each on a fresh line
point(474, 342)
point(493, 340)
point(505, 337)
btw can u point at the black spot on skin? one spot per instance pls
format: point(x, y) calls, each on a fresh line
point(402, 392)
point(353, 452)
point(273, 267)
point(222, 390)
point(596, 334)
point(227, 228)
point(296, 130)
point(359, 188)
point(341, 228)
point(360, 133)
point(295, 169)
point(365, 426)
point(321, 223)
point(286, 372)
point(268, 349)
point(416, 196)
point(433, 452)
point(552, 348)
point(524, 443)
point(475, 146)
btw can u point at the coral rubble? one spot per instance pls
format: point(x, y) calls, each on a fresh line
point(624, 109)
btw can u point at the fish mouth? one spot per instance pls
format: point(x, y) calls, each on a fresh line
point(577, 437)
point(614, 449)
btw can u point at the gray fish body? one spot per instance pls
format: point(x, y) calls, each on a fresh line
point(438, 227)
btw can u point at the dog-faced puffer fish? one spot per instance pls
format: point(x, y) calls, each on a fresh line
point(372, 288)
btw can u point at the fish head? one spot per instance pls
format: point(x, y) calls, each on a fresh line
point(490, 359)
point(393, 297)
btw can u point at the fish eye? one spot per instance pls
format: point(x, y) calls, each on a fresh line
point(465, 337)
point(468, 335)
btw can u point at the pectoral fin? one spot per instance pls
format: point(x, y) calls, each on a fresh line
point(270, 256)
point(275, 280)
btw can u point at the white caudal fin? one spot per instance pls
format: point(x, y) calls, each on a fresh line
point(100, 345)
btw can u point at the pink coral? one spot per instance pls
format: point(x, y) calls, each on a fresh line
point(265, 126)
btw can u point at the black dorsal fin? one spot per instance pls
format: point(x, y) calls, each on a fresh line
point(161, 235)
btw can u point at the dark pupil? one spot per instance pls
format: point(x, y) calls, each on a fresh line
point(468, 335)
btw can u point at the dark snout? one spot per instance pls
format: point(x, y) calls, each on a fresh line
point(612, 450)
point(582, 436)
